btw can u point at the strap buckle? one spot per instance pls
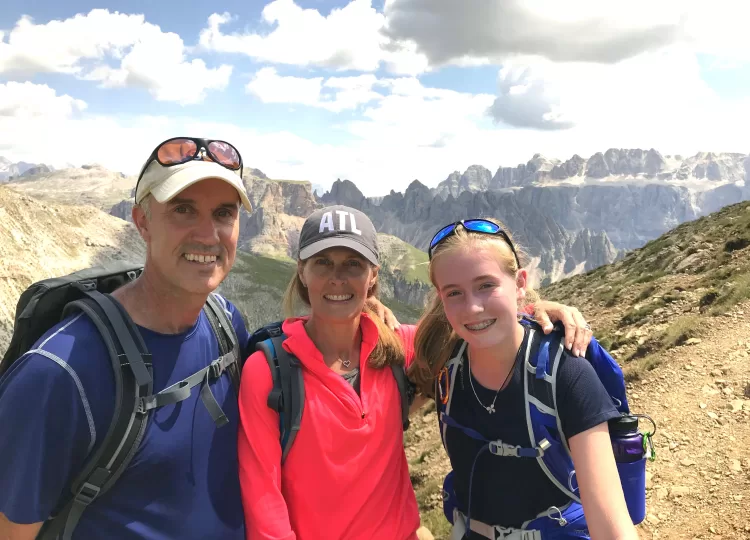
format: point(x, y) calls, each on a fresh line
point(87, 493)
point(499, 448)
point(275, 331)
point(215, 369)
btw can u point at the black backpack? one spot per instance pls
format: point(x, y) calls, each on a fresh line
point(287, 397)
point(46, 303)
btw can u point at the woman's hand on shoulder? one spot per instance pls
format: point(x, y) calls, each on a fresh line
point(577, 331)
point(382, 312)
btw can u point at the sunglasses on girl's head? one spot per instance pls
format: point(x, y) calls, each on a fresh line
point(482, 226)
point(183, 149)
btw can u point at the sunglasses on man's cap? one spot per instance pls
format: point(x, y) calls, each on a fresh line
point(180, 150)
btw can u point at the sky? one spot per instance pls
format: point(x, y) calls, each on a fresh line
point(380, 92)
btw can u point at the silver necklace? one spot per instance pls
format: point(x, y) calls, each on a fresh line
point(491, 407)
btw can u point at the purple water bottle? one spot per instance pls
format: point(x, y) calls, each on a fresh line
point(630, 456)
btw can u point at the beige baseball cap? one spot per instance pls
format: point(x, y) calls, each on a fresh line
point(166, 182)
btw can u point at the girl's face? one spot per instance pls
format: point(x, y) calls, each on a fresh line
point(337, 281)
point(480, 298)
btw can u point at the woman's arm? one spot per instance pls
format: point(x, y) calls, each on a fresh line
point(599, 484)
point(259, 455)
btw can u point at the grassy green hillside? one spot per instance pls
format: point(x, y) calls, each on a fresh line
point(655, 298)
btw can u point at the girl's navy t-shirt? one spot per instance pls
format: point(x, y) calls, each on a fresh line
point(508, 491)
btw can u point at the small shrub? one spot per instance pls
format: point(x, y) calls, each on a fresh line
point(635, 371)
point(708, 298)
point(739, 291)
point(681, 330)
point(645, 293)
point(733, 244)
point(650, 276)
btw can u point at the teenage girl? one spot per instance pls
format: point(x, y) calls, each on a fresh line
point(480, 288)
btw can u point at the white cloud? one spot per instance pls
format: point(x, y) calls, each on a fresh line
point(83, 45)
point(652, 88)
point(348, 38)
point(527, 100)
point(335, 94)
point(447, 31)
point(270, 87)
point(27, 100)
point(653, 97)
point(414, 132)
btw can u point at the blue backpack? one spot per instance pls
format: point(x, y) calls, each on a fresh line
point(548, 446)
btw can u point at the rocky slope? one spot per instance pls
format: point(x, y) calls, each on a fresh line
point(91, 184)
point(676, 316)
point(39, 240)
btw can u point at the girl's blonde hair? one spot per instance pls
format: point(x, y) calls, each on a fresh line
point(435, 340)
point(388, 350)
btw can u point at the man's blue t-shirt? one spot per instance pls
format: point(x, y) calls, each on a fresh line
point(56, 404)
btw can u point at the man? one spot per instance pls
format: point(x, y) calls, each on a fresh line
point(56, 402)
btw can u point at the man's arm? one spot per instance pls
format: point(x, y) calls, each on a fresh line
point(45, 438)
point(17, 531)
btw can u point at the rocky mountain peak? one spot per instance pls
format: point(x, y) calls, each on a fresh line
point(345, 192)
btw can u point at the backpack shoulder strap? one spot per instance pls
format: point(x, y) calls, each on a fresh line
point(540, 403)
point(227, 338)
point(399, 372)
point(444, 387)
point(131, 365)
point(287, 397)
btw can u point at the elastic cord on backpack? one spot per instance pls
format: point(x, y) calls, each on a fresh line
point(471, 484)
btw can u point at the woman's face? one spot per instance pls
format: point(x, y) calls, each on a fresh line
point(338, 281)
point(480, 298)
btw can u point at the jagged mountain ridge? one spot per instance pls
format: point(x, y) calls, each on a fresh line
point(415, 215)
point(569, 222)
point(703, 171)
point(10, 170)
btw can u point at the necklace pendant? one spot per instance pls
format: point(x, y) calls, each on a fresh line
point(491, 408)
point(346, 363)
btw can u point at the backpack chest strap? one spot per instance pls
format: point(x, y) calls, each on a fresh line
point(498, 447)
point(182, 390)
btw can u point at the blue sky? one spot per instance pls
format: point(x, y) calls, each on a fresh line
point(380, 93)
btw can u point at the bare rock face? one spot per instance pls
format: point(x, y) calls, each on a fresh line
point(573, 167)
point(345, 192)
point(475, 178)
point(537, 169)
point(123, 210)
point(39, 240)
point(279, 211)
point(91, 184)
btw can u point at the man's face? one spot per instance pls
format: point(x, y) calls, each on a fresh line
point(192, 239)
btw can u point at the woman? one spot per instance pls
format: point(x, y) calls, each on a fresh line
point(480, 287)
point(346, 475)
